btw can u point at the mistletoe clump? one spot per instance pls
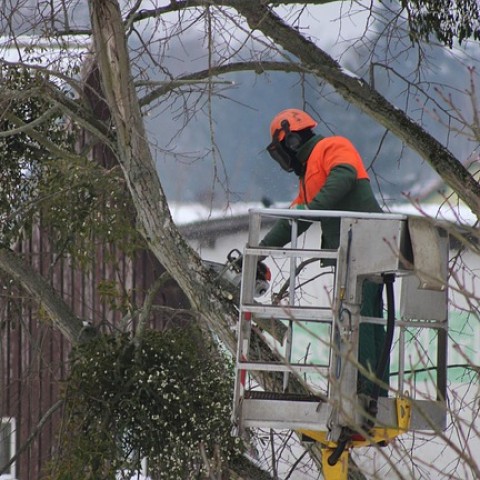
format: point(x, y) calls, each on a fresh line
point(29, 121)
point(159, 397)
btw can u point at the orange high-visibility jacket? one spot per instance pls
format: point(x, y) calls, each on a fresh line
point(327, 154)
point(335, 179)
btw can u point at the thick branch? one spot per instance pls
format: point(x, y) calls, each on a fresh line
point(358, 92)
point(59, 312)
point(257, 67)
point(41, 138)
point(72, 108)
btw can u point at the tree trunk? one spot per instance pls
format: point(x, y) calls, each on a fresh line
point(154, 219)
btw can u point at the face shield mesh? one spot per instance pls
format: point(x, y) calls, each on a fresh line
point(280, 155)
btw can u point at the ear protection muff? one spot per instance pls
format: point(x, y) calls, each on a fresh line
point(292, 140)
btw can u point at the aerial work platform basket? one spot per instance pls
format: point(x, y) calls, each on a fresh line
point(315, 393)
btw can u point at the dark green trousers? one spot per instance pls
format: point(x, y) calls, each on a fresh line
point(372, 338)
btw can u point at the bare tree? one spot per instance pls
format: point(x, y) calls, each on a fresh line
point(123, 38)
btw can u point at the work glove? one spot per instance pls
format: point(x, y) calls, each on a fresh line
point(263, 279)
point(299, 206)
point(263, 272)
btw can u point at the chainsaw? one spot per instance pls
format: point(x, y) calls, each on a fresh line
point(228, 276)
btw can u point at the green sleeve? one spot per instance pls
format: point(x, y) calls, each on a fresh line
point(281, 233)
point(278, 235)
point(339, 183)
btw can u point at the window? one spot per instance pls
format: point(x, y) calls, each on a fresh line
point(7, 447)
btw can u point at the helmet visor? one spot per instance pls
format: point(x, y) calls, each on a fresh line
point(280, 155)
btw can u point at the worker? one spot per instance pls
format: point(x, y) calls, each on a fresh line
point(331, 177)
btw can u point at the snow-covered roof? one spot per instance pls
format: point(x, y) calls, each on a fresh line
point(458, 214)
point(188, 213)
point(185, 214)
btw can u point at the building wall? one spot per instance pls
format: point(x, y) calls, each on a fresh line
point(34, 355)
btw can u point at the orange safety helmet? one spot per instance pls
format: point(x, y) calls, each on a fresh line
point(297, 120)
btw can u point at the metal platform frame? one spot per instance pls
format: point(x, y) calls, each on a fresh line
point(409, 247)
